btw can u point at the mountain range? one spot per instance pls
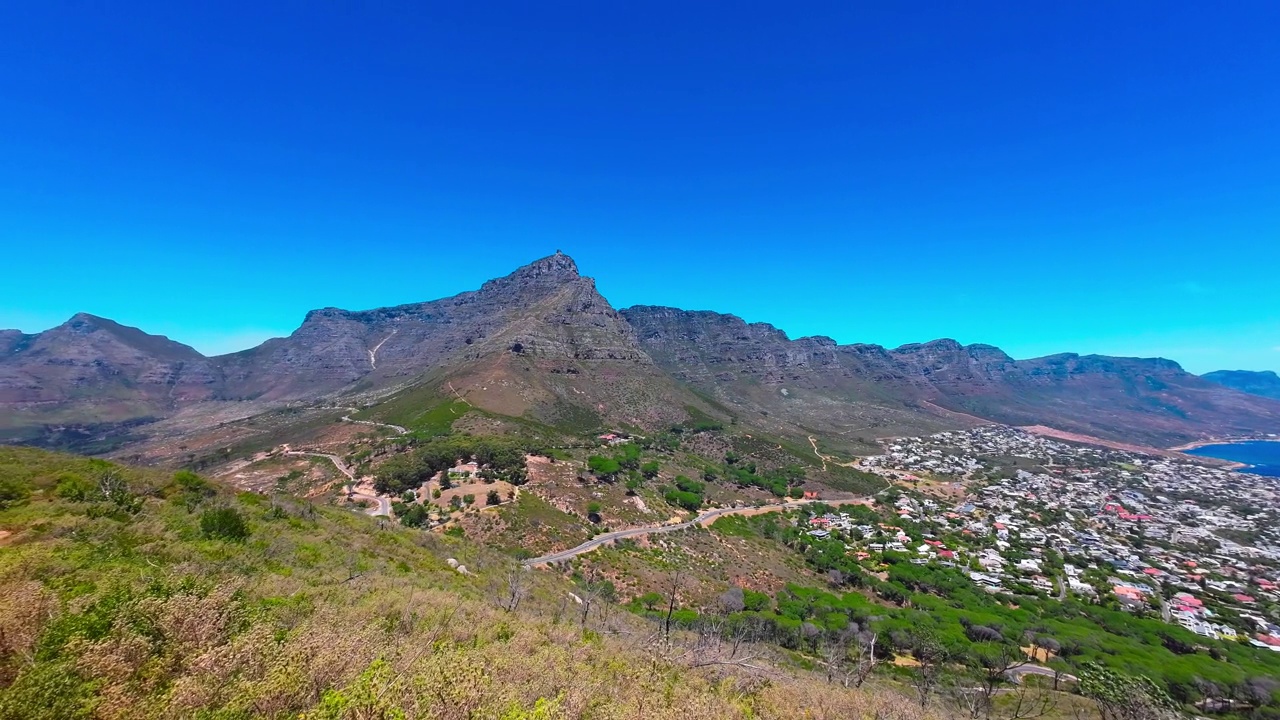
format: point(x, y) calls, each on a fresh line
point(542, 344)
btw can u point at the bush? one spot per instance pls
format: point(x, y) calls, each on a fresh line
point(223, 524)
point(71, 486)
point(493, 498)
point(12, 492)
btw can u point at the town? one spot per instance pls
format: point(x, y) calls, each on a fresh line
point(1159, 535)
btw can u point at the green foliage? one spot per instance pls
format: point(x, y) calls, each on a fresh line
point(779, 481)
point(503, 456)
point(72, 486)
point(649, 600)
point(699, 421)
point(1124, 696)
point(13, 492)
point(604, 467)
point(756, 601)
point(687, 493)
point(413, 515)
point(493, 498)
point(48, 691)
point(650, 469)
point(223, 523)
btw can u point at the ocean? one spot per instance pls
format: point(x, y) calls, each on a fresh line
point(1263, 457)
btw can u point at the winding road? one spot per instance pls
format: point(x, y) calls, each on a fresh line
point(383, 505)
point(705, 517)
point(397, 428)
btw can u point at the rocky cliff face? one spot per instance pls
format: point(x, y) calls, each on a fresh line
point(1151, 400)
point(93, 370)
point(544, 310)
point(1265, 383)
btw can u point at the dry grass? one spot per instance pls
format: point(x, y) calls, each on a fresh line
point(322, 614)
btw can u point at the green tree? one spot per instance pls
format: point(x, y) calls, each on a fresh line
point(493, 498)
point(603, 467)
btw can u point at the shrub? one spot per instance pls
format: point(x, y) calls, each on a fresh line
point(71, 486)
point(223, 524)
point(12, 492)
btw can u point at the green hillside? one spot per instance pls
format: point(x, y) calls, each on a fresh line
point(128, 593)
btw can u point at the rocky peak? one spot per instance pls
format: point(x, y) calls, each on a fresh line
point(541, 275)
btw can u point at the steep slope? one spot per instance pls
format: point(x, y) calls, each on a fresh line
point(850, 390)
point(540, 342)
point(93, 370)
point(850, 394)
point(1265, 383)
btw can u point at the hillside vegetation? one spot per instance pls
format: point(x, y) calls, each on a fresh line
point(129, 593)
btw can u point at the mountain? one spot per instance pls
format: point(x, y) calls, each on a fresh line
point(1265, 383)
point(540, 342)
point(856, 391)
point(543, 345)
point(91, 370)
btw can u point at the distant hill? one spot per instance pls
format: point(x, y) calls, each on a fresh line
point(860, 391)
point(1264, 382)
point(90, 370)
point(543, 346)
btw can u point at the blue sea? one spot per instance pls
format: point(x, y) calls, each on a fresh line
point(1262, 457)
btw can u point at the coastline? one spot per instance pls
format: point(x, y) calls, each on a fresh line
point(1220, 441)
point(1232, 465)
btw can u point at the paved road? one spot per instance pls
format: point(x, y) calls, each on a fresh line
point(397, 428)
point(382, 505)
point(705, 517)
point(1031, 669)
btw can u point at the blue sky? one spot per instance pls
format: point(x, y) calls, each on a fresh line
point(1090, 177)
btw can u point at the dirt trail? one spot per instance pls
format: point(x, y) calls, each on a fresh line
point(702, 520)
point(828, 459)
point(382, 505)
point(373, 354)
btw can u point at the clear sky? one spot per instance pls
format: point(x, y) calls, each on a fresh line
point(1089, 177)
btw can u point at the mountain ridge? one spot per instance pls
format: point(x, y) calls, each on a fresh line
point(1265, 383)
point(541, 342)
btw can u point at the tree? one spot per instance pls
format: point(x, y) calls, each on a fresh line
point(223, 523)
point(493, 498)
point(649, 600)
point(650, 469)
point(1125, 697)
point(514, 587)
point(930, 656)
point(413, 516)
point(603, 467)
